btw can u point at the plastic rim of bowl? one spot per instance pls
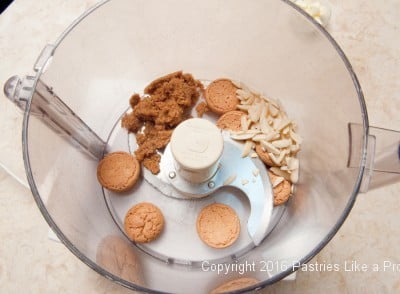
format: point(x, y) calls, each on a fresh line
point(260, 285)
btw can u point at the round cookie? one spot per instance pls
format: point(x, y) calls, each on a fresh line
point(282, 191)
point(235, 284)
point(118, 171)
point(143, 222)
point(231, 120)
point(263, 155)
point(221, 96)
point(218, 225)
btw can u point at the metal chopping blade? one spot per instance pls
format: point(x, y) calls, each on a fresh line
point(246, 174)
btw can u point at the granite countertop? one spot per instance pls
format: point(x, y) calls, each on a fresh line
point(368, 32)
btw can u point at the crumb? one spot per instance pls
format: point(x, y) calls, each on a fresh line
point(168, 101)
point(256, 171)
point(131, 122)
point(152, 163)
point(202, 108)
point(152, 139)
point(135, 99)
point(230, 180)
point(245, 182)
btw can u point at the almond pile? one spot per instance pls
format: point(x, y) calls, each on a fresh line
point(265, 122)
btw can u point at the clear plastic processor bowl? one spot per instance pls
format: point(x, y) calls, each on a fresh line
point(81, 87)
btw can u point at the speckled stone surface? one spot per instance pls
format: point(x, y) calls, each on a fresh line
point(368, 32)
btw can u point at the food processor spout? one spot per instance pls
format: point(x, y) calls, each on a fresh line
point(381, 159)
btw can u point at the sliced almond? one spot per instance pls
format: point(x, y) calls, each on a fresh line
point(274, 158)
point(281, 156)
point(237, 84)
point(283, 124)
point(256, 126)
point(254, 112)
point(294, 126)
point(281, 143)
point(247, 148)
point(239, 97)
point(295, 148)
point(265, 127)
point(253, 155)
point(264, 109)
point(256, 172)
point(295, 137)
point(288, 159)
point(242, 94)
point(243, 107)
point(230, 179)
point(277, 171)
point(286, 130)
point(249, 101)
point(259, 137)
point(243, 123)
point(253, 131)
point(276, 123)
point(277, 181)
point(264, 97)
point(269, 147)
point(294, 177)
point(294, 164)
point(243, 136)
point(273, 102)
point(245, 88)
point(276, 136)
point(280, 107)
point(273, 110)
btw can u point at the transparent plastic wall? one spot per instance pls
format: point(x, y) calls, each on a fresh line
point(123, 45)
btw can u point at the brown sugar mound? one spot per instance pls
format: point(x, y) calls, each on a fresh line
point(152, 163)
point(168, 102)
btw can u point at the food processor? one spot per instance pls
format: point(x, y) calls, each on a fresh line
point(74, 101)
